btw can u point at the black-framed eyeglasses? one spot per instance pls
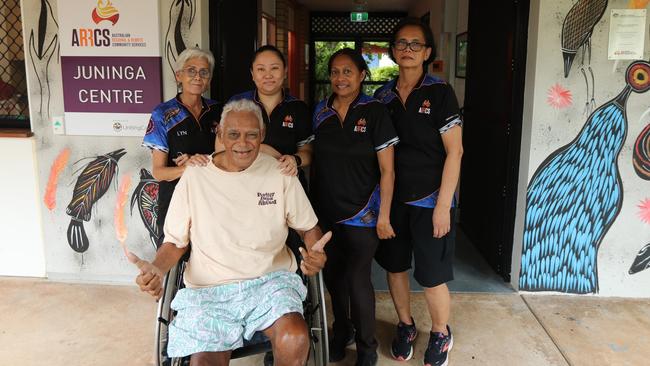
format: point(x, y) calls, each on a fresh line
point(203, 73)
point(415, 46)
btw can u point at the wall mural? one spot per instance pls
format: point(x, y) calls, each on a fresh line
point(574, 197)
point(92, 183)
point(641, 154)
point(181, 19)
point(577, 28)
point(145, 196)
point(53, 181)
point(121, 230)
point(638, 4)
point(43, 45)
point(642, 260)
point(558, 97)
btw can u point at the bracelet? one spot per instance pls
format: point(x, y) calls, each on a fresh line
point(298, 160)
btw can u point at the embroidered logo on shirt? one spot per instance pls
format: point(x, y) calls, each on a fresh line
point(361, 126)
point(149, 127)
point(169, 114)
point(425, 109)
point(266, 198)
point(288, 122)
point(181, 133)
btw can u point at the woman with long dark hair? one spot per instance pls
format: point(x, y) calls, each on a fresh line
point(288, 127)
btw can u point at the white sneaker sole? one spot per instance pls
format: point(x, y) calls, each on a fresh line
point(410, 355)
point(451, 345)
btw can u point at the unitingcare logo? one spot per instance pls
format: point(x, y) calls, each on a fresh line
point(105, 12)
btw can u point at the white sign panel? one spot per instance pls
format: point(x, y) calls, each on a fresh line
point(111, 65)
point(626, 34)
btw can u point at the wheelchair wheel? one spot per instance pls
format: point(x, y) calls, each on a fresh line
point(316, 317)
point(171, 284)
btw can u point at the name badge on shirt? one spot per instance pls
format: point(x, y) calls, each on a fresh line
point(360, 126)
point(287, 122)
point(426, 107)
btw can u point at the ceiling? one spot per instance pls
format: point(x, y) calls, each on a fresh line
point(357, 5)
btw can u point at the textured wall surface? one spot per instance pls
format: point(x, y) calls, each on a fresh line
point(586, 218)
point(61, 159)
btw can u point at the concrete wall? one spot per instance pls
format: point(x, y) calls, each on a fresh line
point(21, 247)
point(558, 235)
point(104, 260)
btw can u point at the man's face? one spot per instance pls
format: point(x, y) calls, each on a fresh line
point(241, 136)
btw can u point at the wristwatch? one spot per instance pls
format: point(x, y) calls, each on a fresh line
point(298, 160)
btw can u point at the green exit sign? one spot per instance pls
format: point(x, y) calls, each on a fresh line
point(359, 17)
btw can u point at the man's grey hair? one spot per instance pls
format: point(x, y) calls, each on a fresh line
point(193, 52)
point(242, 105)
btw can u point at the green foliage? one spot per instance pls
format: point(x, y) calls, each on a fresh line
point(324, 50)
point(385, 73)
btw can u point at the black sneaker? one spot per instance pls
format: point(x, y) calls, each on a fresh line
point(402, 347)
point(438, 348)
point(366, 359)
point(337, 347)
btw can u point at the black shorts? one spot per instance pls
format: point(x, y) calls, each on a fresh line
point(414, 240)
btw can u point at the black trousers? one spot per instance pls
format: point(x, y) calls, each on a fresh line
point(347, 277)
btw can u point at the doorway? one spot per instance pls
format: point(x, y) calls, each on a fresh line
point(493, 113)
point(331, 32)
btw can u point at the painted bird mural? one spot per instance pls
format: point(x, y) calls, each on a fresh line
point(641, 154)
point(642, 260)
point(574, 197)
point(146, 197)
point(577, 29)
point(92, 183)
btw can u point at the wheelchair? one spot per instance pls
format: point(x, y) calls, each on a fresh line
point(313, 311)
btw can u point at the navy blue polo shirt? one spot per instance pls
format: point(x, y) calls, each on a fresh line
point(345, 160)
point(174, 130)
point(429, 111)
point(288, 127)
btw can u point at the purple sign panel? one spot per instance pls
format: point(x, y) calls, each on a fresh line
point(111, 84)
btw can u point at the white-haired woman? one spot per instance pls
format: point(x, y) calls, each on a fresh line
point(183, 128)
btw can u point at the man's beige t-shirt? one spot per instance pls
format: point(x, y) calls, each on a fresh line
point(237, 221)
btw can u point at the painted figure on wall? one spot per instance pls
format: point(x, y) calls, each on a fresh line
point(92, 183)
point(43, 46)
point(574, 197)
point(641, 154)
point(146, 198)
point(642, 260)
point(577, 29)
point(181, 19)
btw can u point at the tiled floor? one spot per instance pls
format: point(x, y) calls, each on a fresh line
point(49, 323)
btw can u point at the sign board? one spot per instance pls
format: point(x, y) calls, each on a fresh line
point(626, 34)
point(111, 65)
point(359, 17)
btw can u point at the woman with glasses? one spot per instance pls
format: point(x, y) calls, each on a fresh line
point(352, 190)
point(425, 114)
point(288, 125)
point(182, 130)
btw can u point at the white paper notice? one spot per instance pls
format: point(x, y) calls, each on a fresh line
point(626, 34)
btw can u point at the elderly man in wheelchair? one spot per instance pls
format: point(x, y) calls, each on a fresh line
point(240, 277)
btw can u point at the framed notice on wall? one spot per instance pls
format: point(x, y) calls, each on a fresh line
point(111, 65)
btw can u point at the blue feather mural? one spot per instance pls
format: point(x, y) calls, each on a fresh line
point(575, 196)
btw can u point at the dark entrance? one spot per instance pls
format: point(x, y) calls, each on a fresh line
point(493, 109)
point(233, 40)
